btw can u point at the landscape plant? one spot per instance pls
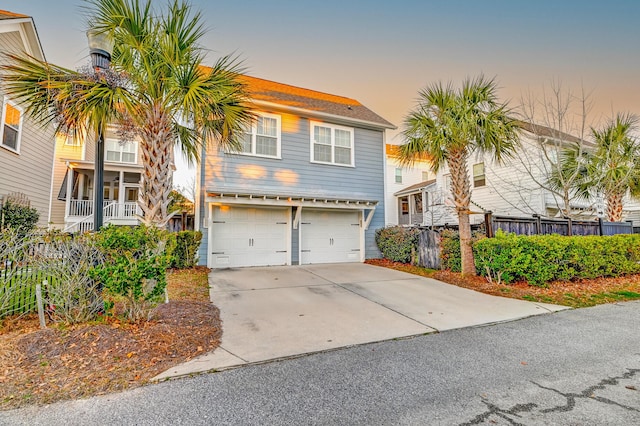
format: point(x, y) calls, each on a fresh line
point(22, 219)
point(540, 259)
point(449, 126)
point(157, 91)
point(71, 294)
point(135, 266)
point(398, 243)
point(185, 254)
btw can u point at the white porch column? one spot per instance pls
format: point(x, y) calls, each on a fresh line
point(67, 204)
point(121, 195)
point(81, 186)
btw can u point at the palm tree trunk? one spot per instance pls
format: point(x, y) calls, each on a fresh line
point(614, 207)
point(461, 191)
point(157, 157)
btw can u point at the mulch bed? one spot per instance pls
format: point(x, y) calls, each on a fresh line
point(579, 293)
point(43, 366)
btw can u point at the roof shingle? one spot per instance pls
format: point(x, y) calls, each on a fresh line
point(311, 100)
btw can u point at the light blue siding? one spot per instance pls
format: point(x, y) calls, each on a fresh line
point(294, 174)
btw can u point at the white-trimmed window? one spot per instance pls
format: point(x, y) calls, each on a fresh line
point(331, 144)
point(264, 137)
point(447, 183)
point(70, 139)
point(11, 128)
point(117, 152)
point(478, 175)
point(398, 175)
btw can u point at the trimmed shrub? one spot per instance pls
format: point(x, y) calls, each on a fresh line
point(398, 243)
point(540, 259)
point(450, 248)
point(185, 254)
point(21, 218)
point(135, 268)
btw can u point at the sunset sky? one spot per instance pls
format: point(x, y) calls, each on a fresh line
point(382, 52)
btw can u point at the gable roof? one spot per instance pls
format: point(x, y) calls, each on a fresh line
point(415, 188)
point(27, 29)
point(311, 102)
point(548, 132)
point(5, 14)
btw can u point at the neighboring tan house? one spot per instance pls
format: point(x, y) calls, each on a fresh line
point(307, 186)
point(26, 148)
point(73, 177)
point(403, 193)
point(509, 189)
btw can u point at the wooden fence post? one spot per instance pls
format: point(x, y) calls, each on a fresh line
point(40, 304)
point(538, 224)
point(488, 224)
point(600, 227)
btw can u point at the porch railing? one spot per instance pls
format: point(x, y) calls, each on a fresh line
point(84, 208)
point(112, 211)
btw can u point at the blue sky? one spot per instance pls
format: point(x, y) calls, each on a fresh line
point(383, 52)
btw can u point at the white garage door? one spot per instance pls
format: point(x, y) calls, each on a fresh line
point(248, 236)
point(329, 236)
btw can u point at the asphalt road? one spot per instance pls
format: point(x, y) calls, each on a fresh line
point(577, 367)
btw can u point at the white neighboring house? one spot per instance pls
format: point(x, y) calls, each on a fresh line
point(26, 148)
point(404, 188)
point(509, 189)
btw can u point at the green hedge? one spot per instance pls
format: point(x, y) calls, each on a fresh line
point(185, 254)
point(450, 248)
point(543, 258)
point(398, 243)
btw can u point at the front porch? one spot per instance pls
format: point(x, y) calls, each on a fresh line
point(120, 193)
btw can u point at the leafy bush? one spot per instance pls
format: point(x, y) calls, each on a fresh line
point(21, 218)
point(136, 262)
point(398, 243)
point(543, 258)
point(450, 256)
point(185, 254)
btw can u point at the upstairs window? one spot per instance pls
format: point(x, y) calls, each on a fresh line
point(331, 144)
point(11, 129)
point(398, 175)
point(263, 138)
point(121, 152)
point(478, 175)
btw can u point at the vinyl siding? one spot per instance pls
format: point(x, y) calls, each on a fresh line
point(28, 171)
point(295, 174)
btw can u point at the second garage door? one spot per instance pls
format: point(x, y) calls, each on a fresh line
point(248, 236)
point(330, 236)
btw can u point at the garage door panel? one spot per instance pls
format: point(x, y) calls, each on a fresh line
point(249, 236)
point(329, 236)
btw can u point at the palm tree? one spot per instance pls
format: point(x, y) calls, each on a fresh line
point(158, 90)
point(449, 126)
point(612, 168)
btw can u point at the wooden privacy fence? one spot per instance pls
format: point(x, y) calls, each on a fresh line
point(538, 225)
point(429, 249)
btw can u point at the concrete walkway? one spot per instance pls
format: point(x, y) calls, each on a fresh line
point(279, 312)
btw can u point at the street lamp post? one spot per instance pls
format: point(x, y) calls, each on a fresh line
point(100, 48)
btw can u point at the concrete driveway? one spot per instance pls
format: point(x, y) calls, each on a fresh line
point(277, 312)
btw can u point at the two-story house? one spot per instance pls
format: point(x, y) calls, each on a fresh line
point(512, 188)
point(72, 207)
point(308, 185)
point(26, 148)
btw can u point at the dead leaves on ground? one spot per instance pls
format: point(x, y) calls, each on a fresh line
point(43, 366)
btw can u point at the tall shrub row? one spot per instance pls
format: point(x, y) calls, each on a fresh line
point(544, 258)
